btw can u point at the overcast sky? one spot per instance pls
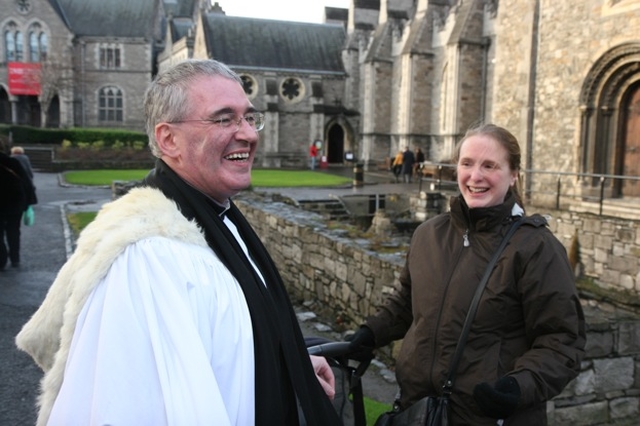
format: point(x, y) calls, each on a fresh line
point(284, 10)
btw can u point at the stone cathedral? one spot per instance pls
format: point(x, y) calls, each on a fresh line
point(563, 76)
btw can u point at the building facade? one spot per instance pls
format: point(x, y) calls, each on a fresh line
point(68, 63)
point(564, 77)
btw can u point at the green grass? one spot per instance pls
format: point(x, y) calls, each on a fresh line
point(295, 178)
point(102, 177)
point(78, 221)
point(259, 177)
point(373, 409)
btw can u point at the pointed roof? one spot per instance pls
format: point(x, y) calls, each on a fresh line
point(276, 45)
point(109, 18)
point(180, 8)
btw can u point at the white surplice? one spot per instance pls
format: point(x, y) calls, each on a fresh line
point(165, 338)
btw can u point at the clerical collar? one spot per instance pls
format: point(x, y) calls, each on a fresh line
point(220, 209)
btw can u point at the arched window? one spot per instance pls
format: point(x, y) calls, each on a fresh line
point(10, 46)
point(38, 44)
point(44, 46)
point(19, 47)
point(110, 104)
point(34, 49)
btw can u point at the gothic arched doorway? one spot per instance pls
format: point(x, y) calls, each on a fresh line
point(610, 122)
point(335, 147)
point(28, 111)
point(53, 113)
point(631, 142)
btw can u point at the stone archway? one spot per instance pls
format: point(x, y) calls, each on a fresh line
point(53, 113)
point(607, 94)
point(335, 145)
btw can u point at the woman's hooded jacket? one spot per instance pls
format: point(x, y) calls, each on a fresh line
point(529, 323)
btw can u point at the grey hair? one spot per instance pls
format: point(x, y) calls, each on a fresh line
point(166, 99)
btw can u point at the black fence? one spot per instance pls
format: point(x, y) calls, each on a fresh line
point(601, 194)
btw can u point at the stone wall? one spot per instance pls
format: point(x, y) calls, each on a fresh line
point(544, 57)
point(343, 280)
point(609, 248)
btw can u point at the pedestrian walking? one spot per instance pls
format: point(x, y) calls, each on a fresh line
point(16, 195)
point(17, 152)
point(408, 160)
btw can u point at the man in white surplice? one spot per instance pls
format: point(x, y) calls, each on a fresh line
point(170, 311)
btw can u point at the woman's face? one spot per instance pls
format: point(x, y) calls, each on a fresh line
point(484, 176)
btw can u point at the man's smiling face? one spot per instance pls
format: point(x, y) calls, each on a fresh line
point(214, 159)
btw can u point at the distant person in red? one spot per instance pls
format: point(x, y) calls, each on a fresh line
point(313, 152)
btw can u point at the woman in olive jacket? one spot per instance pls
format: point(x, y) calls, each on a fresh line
point(527, 339)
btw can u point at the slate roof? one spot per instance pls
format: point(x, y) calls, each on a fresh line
point(250, 43)
point(108, 18)
point(180, 28)
point(182, 8)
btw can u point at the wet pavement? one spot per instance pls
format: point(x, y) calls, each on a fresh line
point(44, 250)
point(46, 246)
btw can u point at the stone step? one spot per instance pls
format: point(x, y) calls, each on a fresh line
point(331, 208)
point(41, 158)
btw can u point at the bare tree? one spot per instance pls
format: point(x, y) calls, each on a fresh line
point(55, 77)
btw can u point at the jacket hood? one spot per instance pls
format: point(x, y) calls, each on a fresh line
point(483, 218)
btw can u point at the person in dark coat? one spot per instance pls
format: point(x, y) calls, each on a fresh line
point(417, 167)
point(17, 152)
point(408, 160)
point(527, 339)
point(16, 194)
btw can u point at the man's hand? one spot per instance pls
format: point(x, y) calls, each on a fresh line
point(324, 374)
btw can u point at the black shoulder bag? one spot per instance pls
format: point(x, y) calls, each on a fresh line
point(432, 410)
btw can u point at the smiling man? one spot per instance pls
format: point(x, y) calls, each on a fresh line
point(171, 311)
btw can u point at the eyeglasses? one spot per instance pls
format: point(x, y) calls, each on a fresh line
point(255, 120)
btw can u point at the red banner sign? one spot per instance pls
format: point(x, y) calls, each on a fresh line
point(24, 78)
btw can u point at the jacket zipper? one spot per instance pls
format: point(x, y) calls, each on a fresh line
point(465, 237)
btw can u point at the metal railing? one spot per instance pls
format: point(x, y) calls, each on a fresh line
point(560, 190)
point(600, 188)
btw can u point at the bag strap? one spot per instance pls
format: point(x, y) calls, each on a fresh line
point(473, 308)
point(10, 171)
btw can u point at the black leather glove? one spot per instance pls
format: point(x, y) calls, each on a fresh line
point(362, 344)
point(500, 400)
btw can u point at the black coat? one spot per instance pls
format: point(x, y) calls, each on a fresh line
point(16, 190)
